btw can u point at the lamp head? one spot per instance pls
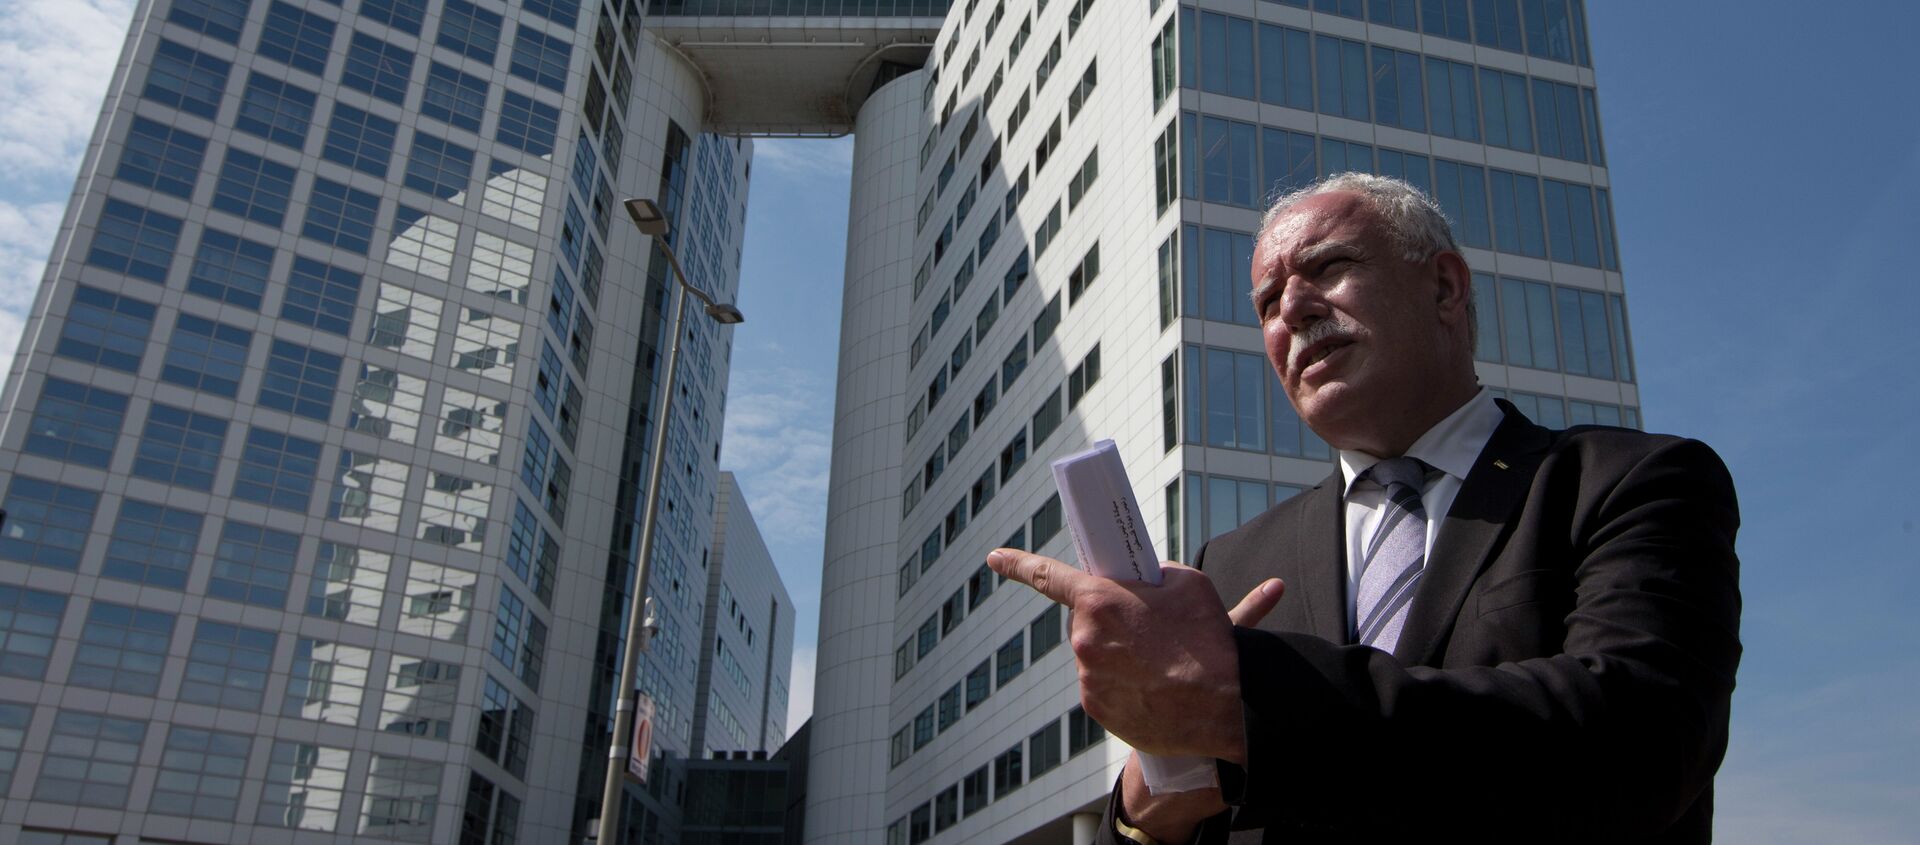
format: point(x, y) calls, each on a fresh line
point(725, 314)
point(646, 217)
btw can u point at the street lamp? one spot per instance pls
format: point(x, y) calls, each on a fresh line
point(648, 219)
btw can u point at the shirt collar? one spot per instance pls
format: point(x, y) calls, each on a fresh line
point(1451, 446)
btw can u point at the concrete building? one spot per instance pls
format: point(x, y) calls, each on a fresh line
point(325, 445)
point(1051, 226)
point(746, 640)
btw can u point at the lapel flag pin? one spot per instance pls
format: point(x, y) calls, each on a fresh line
point(1500, 463)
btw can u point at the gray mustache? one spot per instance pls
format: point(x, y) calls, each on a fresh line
point(1332, 328)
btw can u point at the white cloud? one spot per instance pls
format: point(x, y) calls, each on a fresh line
point(778, 442)
point(56, 56)
point(792, 157)
point(800, 689)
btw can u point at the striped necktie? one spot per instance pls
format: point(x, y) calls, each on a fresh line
point(1396, 555)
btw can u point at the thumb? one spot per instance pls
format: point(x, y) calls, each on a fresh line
point(1255, 606)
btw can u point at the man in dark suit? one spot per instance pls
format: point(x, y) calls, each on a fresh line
point(1549, 658)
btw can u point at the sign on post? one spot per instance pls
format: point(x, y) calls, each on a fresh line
point(640, 751)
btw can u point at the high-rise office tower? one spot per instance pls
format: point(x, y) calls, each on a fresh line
point(325, 448)
point(747, 639)
point(1051, 229)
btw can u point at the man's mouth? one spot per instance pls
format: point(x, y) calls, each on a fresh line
point(1318, 352)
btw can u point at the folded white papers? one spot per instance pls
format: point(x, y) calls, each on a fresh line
point(1110, 538)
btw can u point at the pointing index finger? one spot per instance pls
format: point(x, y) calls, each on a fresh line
point(1049, 577)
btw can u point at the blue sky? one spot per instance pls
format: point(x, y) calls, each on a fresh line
point(1766, 164)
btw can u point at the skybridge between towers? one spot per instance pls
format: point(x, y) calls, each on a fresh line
point(795, 67)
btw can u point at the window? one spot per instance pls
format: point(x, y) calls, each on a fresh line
point(439, 167)
point(1461, 190)
point(531, 552)
point(527, 124)
point(152, 544)
point(207, 356)
point(163, 158)
point(1496, 23)
point(1397, 89)
point(220, 19)
point(1509, 121)
point(925, 639)
point(230, 269)
point(469, 30)
point(277, 470)
point(903, 660)
point(297, 38)
point(90, 760)
point(1552, 33)
point(29, 621)
point(420, 698)
point(1082, 91)
point(106, 329)
point(973, 791)
point(377, 68)
point(403, 15)
point(1043, 749)
point(386, 404)
point(1009, 660)
point(454, 98)
point(949, 708)
point(1082, 731)
point(254, 188)
point(1228, 166)
point(1044, 633)
point(180, 447)
point(402, 794)
point(200, 773)
point(122, 649)
point(1043, 149)
point(341, 216)
point(186, 79)
point(1341, 73)
point(1166, 185)
point(979, 586)
point(1007, 772)
point(1226, 55)
point(1083, 275)
point(920, 824)
point(923, 728)
point(253, 564)
point(541, 59)
point(504, 731)
point(1571, 232)
point(134, 241)
point(1446, 18)
point(227, 666)
point(1556, 120)
point(300, 380)
point(978, 684)
point(321, 296)
point(47, 523)
point(359, 140)
point(1517, 226)
point(1046, 521)
point(989, 314)
point(1047, 418)
point(946, 808)
point(305, 784)
point(327, 682)
point(1014, 365)
point(453, 509)
point(1013, 456)
point(519, 638)
point(1083, 377)
point(76, 423)
point(981, 493)
point(984, 401)
point(1083, 180)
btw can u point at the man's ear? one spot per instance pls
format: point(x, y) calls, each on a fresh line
point(1453, 286)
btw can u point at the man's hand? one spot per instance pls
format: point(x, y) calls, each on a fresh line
point(1158, 666)
point(1158, 669)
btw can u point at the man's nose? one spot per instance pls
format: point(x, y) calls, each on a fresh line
point(1301, 304)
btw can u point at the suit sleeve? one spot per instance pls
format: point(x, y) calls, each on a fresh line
point(1610, 740)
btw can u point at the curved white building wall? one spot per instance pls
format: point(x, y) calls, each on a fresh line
point(851, 697)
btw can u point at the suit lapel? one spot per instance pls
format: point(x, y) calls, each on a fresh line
point(1319, 547)
point(1480, 515)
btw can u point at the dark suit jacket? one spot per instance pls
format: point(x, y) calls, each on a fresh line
point(1563, 675)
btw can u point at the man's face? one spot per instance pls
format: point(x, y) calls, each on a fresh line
point(1355, 331)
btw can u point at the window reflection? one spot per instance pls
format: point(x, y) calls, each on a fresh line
point(349, 583)
point(500, 268)
point(327, 682)
point(453, 511)
point(420, 698)
point(438, 601)
point(486, 343)
point(423, 243)
point(471, 426)
point(305, 786)
point(405, 320)
point(387, 403)
point(367, 491)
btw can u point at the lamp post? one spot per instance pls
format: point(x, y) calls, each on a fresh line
point(648, 219)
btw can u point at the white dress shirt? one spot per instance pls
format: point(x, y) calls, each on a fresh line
point(1450, 447)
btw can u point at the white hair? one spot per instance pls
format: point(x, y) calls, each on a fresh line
point(1414, 221)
